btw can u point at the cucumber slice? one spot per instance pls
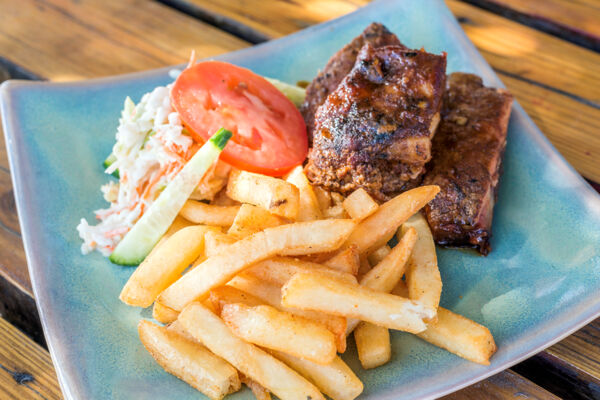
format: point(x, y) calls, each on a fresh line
point(294, 93)
point(108, 162)
point(147, 231)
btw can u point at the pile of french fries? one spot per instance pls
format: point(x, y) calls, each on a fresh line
point(263, 286)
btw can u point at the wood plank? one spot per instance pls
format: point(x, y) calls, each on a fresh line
point(505, 385)
point(547, 75)
point(572, 366)
point(576, 21)
point(26, 371)
point(18, 354)
point(64, 40)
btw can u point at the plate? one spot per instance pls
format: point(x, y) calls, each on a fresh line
point(539, 284)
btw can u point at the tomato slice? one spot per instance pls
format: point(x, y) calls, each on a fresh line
point(269, 134)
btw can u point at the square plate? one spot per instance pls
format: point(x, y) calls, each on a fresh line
point(539, 284)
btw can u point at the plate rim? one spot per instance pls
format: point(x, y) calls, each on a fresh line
point(10, 88)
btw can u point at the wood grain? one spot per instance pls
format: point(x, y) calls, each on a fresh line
point(65, 40)
point(26, 371)
point(557, 83)
point(570, 368)
point(505, 385)
point(18, 354)
point(573, 20)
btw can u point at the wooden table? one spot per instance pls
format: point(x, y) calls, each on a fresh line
point(546, 52)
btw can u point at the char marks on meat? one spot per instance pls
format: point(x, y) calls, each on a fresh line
point(466, 163)
point(374, 130)
point(338, 67)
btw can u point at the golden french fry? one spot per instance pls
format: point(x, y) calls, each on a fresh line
point(422, 275)
point(223, 295)
point(374, 231)
point(347, 260)
point(298, 238)
point(162, 313)
point(253, 362)
point(221, 199)
point(309, 237)
point(359, 205)
point(335, 212)
point(337, 198)
point(386, 275)
point(401, 289)
point(274, 195)
point(251, 219)
point(335, 379)
point(364, 267)
point(278, 270)
point(257, 389)
point(379, 254)
point(216, 242)
point(373, 345)
point(164, 266)
point(461, 336)
point(319, 293)
point(323, 198)
point(189, 361)
point(177, 224)
point(267, 327)
point(208, 214)
point(309, 206)
point(176, 326)
point(271, 294)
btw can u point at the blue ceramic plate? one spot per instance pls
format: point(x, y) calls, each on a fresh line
point(539, 284)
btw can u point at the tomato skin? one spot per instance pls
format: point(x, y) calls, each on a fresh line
point(269, 133)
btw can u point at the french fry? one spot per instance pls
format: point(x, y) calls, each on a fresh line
point(379, 254)
point(335, 379)
point(221, 199)
point(253, 362)
point(461, 336)
point(373, 345)
point(422, 275)
point(257, 389)
point(374, 231)
point(163, 314)
point(267, 327)
point(335, 212)
point(216, 242)
point(309, 206)
point(332, 296)
point(337, 198)
point(251, 219)
point(274, 195)
point(208, 214)
point(323, 198)
point(223, 295)
point(359, 205)
point(278, 270)
point(189, 361)
point(364, 267)
point(176, 326)
point(310, 237)
point(164, 266)
point(401, 289)
point(271, 295)
point(347, 260)
point(386, 275)
point(177, 224)
point(298, 238)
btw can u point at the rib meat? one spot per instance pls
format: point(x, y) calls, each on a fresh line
point(374, 130)
point(466, 163)
point(338, 67)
